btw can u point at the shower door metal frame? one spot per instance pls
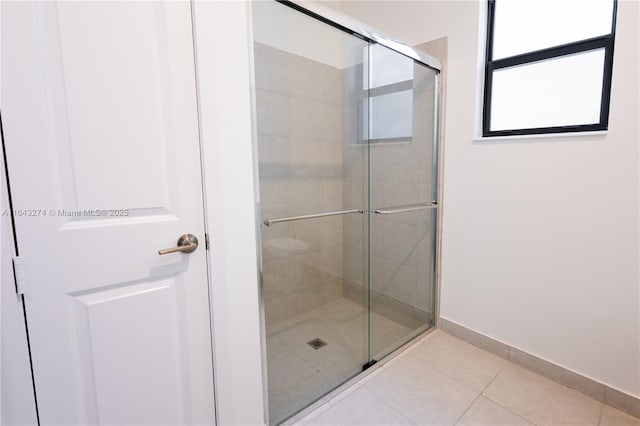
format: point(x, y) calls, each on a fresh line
point(358, 29)
point(422, 59)
point(352, 26)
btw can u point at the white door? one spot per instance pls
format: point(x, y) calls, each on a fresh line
point(100, 124)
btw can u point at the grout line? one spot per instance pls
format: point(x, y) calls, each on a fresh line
point(453, 379)
point(510, 411)
point(388, 404)
point(544, 374)
point(303, 98)
point(467, 409)
point(444, 373)
point(396, 410)
point(310, 416)
point(494, 378)
point(601, 413)
point(500, 405)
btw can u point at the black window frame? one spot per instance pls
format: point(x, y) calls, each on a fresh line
point(606, 41)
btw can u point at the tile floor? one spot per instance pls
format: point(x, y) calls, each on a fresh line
point(442, 380)
point(298, 374)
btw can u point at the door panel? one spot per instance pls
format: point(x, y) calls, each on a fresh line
point(101, 132)
point(115, 101)
point(309, 92)
point(114, 342)
point(403, 199)
point(115, 104)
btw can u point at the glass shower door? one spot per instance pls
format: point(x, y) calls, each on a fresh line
point(312, 165)
point(403, 192)
point(346, 146)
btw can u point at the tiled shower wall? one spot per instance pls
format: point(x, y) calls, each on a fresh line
point(309, 116)
point(400, 174)
point(299, 117)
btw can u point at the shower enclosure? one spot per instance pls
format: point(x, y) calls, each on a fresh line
point(347, 167)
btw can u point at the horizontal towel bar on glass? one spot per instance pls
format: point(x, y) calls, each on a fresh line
point(404, 209)
point(270, 222)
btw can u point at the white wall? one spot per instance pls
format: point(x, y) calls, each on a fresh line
point(222, 33)
point(541, 236)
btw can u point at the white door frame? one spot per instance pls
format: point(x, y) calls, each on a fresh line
point(17, 400)
point(223, 38)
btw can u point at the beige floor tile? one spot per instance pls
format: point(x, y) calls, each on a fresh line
point(420, 393)
point(353, 385)
point(285, 370)
point(341, 309)
point(299, 374)
point(464, 363)
point(291, 329)
point(622, 401)
point(322, 406)
point(383, 325)
point(613, 417)
point(339, 353)
point(386, 335)
point(297, 396)
point(540, 400)
point(484, 412)
point(360, 408)
point(276, 411)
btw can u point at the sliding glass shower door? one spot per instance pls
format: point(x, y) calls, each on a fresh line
point(313, 196)
point(346, 177)
point(403, 204)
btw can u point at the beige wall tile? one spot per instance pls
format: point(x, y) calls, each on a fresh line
point(474, 338)
point(272, 113)
point(354, 265)
point(622, 401)
point(436, 48)
point(270, 65)
point(561, 375)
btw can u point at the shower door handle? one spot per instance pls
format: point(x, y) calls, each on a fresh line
point(270, 222)
point(407, 208)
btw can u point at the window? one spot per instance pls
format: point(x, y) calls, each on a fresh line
point(548, 66)
point(383, 89)
point(390, 96)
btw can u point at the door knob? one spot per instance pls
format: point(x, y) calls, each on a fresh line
point(186, 244)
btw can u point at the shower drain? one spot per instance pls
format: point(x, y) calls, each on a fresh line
point(317, 343)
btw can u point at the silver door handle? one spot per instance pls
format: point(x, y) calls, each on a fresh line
point(186, 244)
point(270, 222)
point(409, 208)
